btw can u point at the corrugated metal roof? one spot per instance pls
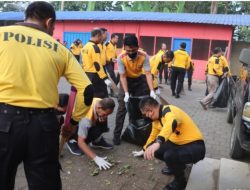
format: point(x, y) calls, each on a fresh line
point(221, 19)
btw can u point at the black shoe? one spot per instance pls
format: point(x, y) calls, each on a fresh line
point(189, 88)
point(101, 144)
point(173, 94)
point(73, 147)
point(176, 185)
point(177, 96)
point(166, 171)
point(116, 141)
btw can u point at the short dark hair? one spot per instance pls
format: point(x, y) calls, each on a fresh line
point(170, 54)
point(113, 35)
point(217, 50)
point(148, 102)
point(103, 30)
point(183, 45)
point(40, 10)
point(107, 104)
point(95, 32)
point(131, 40)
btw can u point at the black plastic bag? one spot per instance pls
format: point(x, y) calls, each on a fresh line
point(139, 128)
point(221, 95)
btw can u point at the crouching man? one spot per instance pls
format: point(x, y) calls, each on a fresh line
point(174, 139)
point(92, 127)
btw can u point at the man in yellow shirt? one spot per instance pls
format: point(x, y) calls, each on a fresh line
point(75, 48)
point(180, 64)
point(174, 139)
point(102, 47)
point(92, 127)
point(132, 64)
point(157, 62)
point(165, 67)
point(31, 64)
point(111, 57)
point(217, 68)
point(92, 64)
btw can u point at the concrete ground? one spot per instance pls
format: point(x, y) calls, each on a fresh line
point(136, 173)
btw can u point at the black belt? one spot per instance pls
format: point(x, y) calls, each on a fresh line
point(9, 109)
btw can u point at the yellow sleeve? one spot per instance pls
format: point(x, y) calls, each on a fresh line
point(154, 132)
point(188, 62)
point(78, 78)
point(169, 122)
point(154, 65)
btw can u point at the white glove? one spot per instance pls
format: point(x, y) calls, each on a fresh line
point(158, 92)
point(152, 94)
point(138, 153)
point(107, 82)
point(126, 97)
point(102, 163)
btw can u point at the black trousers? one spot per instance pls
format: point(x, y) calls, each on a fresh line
point(136, 87)
point(110, 68)
point(177, 74)
point(100, 88)
point(177, 156)
point(30, 136)
point(165, 69)
point(189, 75)
point(96, 131)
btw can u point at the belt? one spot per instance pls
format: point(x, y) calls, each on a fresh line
point(9, 109)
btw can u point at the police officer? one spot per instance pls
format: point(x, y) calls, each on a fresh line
point(31, 63)
point(174, 139)
point(111, 57)
point(217, 68)
point(131, 66)
point(75, 48)
point(157, 62)
point(102, 47)
point(164, 68)
point(180, 64)
point(92, 64)
point(92, 127)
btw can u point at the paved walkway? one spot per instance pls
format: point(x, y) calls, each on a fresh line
point(135, 173)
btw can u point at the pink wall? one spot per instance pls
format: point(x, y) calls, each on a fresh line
point(174, 30)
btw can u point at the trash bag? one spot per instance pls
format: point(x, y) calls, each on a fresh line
point(221, 95)
point(139, 128)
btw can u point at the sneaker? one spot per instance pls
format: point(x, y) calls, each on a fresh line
point(203, 105)
point(116, 141)
point(73, 147)
point(101, 144)
point(176, 185)
point(166, 171)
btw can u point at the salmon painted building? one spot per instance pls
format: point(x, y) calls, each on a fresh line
point(201, 32)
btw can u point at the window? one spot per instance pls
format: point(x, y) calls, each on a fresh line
point(120, 40)
point(147, 44)
point(219, 43)
point(200, 49)
point(160, 40)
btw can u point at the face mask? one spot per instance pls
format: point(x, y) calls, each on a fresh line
point(132, 55)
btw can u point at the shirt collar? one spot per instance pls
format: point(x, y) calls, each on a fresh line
point(32, 25)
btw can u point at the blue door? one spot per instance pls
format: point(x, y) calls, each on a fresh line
point(70, 37)
point(178, 41)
